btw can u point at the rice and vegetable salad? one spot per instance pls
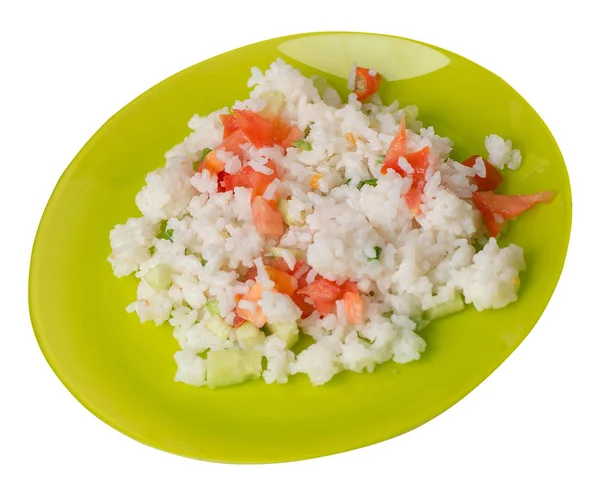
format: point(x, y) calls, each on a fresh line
point(297, 217)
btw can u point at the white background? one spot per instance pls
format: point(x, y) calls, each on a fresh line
point(66, 67)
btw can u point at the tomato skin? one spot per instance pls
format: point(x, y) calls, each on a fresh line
point(396, 149)
point(413, 196)
point(300, 301)
point(322, 293)
point(507, 207)
point(267, 219)
point(229, 124)
point(365, 84)
point(252, 179)
point(257, 316)
point(284, 282)
point(493, 178)
point(354, 307)
point(419, 161)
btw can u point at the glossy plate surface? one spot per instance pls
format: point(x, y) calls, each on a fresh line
point(123, 371)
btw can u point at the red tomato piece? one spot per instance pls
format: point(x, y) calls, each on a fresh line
point(237, 321)
point(250, 178)
point(396, 149)
point(294, 134)
point(229, 123)
point(278, 263)
point(257, 316)
point(324, 307)
point(255, 128)
point(507, 207)
point(267, 218)
point(354, 308)
point(419, 161)
point(284, 282)
point(306, 308)
point(413, 197)
point(493, 177)
point(349, 286)
point(366, 84)
point(322, 290)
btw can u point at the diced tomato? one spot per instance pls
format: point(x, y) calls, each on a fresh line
point(212, 163)
point(419, 161)
point(277, 262)
point(237, 321)
point(507, 207)
point(252, 179)
point(284, 282)
point(257, 316)
point(492, 179)
point(396, 149)
point(322, 290)
point(265, 132)
point(221, 181)
point(413, 196)
point(293, 135)
point(349, 286)
point(365, 84)
point(250, 274)
point(324, 307)
point(306, 308)
point(267, 218)
point(354, 308)
point(229, 123)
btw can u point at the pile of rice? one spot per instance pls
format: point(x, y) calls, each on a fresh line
point(424, 262)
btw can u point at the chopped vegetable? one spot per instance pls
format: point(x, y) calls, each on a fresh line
point(368, 182)
point(216, 325)
point(454, 305)
point(347, 182)
point(366, 83)
point(249, 335)
point(252, 179)
point(322, 293)
point(377, 254)
point(164, 232)
point(212, 307)
point(314, 180)
point(492, 179)
point(276, 252)
point(257, 316)
point(302, 145)
point(262, 131)
point(225, 367)
point(158, 277)
point(284, 282)
point(413, 197)
point(388, 314)
point(152, 250)
point(506, 207)
point(396, 149)
point(288, 332)
point(350, 138)
point(349, 286)
point(267, 219)
point(353, 305)
point(288, 218)
point(229, 124)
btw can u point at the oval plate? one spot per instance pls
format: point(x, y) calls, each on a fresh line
point(123, 371)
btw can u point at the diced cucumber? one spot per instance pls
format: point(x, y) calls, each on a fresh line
point(217, 326)
point(288, 332)
point(275, 102)
point(277, 252)
point(453, 306)
point(213, 307)
point(249, 335)
point(282, 206)
point(226, 367)
point(159, 277)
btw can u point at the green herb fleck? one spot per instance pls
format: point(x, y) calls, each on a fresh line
point(347, 182)
point(380, 159)
point(369, 182)
point(197, 164)
point(303, 145)
point(205, 152)
point(203, 261)
point(377, 254)
point(152, 250)
point(388, 314)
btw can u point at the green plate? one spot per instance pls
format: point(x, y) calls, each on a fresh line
point(122, 371)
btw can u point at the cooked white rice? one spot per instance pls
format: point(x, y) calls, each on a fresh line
point(424, 262)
